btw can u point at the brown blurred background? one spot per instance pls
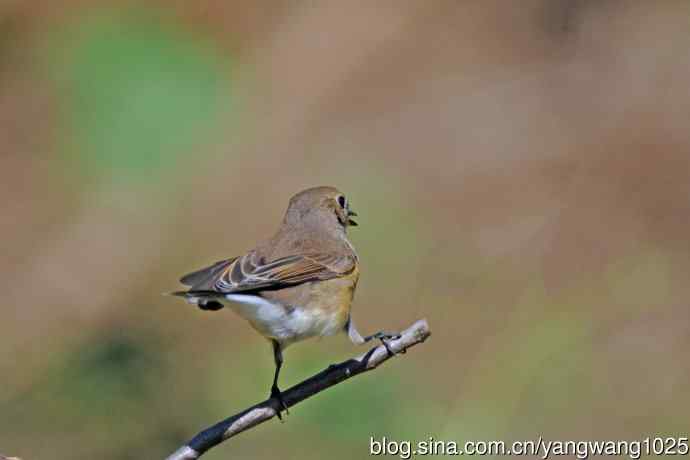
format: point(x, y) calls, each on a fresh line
point(521, 170)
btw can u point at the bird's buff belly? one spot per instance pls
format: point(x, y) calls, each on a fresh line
point(287, 324)
point(300, 312)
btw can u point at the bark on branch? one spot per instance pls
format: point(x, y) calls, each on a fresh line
point(266, 410)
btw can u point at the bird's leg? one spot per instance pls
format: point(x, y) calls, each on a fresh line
point(357, 338)
point(275, 391)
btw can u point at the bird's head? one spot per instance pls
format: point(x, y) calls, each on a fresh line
point(325, 206)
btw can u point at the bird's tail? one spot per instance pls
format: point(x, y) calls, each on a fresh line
point(206, 300)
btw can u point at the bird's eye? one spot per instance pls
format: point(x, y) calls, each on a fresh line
point(341, 201)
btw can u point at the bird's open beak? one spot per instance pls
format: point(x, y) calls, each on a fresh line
point(351, 213)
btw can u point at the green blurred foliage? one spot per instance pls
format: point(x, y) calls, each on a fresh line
point(140, 91)
point(104, 389)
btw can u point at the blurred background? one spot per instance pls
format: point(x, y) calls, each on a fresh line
point(521, 171)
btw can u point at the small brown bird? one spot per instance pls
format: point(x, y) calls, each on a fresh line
point(297, 285)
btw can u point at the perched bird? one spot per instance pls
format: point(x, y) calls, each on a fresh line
point(296, 285)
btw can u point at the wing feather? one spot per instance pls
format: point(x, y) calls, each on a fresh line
point(251, 273)
point(200, 277)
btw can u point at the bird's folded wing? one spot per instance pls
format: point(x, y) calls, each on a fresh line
point(250, 272)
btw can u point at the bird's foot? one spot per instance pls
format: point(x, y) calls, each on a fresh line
point(278, 395)
point(384, 337)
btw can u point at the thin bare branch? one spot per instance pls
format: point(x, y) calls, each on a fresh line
point(266, 410)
